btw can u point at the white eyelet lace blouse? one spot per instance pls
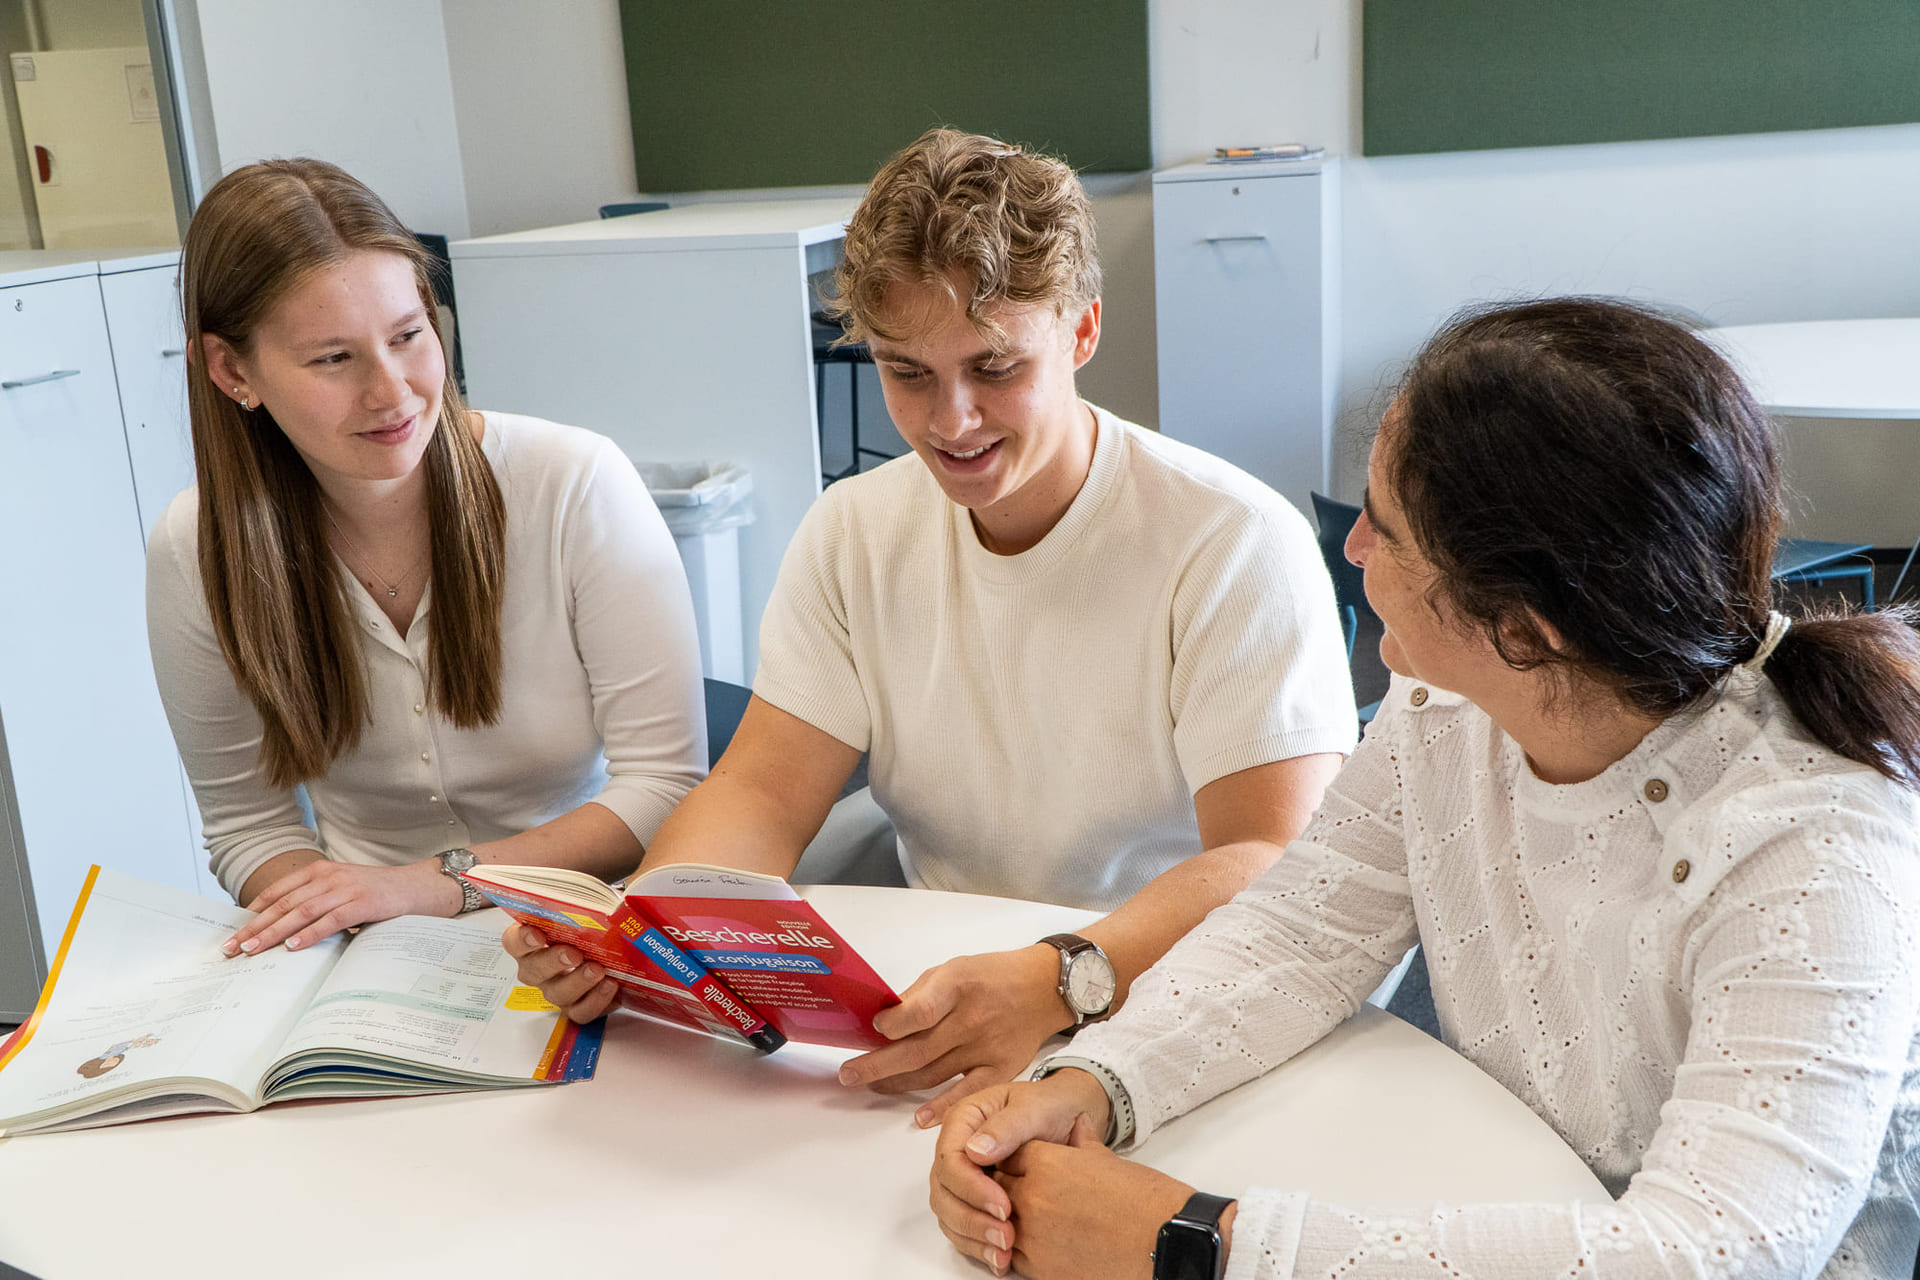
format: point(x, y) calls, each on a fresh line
point(1698, 967)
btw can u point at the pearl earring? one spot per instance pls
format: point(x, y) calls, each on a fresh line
point(243, 398)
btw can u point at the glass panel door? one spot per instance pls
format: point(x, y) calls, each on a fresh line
point(86, 163)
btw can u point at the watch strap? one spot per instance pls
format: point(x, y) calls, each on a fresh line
point(1204, 1209)
point(1119, 1101)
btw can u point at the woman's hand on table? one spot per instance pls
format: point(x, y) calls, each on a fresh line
point(1020, 1179)
point(981, 1018)
point(323, 897)
point(565, 977)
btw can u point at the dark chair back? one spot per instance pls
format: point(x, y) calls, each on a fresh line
point(1336, 522)
point(440, 276)
point(726, 703)
point(1349, 581)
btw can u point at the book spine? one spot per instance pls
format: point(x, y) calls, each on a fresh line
point(645, 937)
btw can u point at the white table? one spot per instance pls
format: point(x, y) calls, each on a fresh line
point(687, 1156)
point(1829, 368)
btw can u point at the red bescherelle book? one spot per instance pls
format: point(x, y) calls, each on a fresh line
point(731, 953)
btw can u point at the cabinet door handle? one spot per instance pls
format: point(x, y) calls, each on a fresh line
point(55, 376)
point(168, 353)
point(1224, 239)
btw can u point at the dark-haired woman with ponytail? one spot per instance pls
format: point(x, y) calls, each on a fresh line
point(467, 636)
point(1660, 845)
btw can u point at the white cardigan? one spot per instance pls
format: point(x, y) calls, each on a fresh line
point(601, 693)
point(1698, 967)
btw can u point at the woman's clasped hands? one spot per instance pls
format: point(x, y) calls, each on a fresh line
point(1022, 1181)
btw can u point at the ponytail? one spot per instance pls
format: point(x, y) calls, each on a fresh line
point(1853, 681)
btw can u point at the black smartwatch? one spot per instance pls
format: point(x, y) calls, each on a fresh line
point(1189, 1247)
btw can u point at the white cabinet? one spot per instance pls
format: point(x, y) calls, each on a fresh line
point(94, 776)
point(1246, 296)
point(142, 299)
point(682, 334)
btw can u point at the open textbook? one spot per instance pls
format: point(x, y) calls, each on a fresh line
point(143, 1016)
point(732, 953)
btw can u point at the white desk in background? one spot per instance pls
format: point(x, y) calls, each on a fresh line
point(1829, 368)
point(687, 1156)
point(683, 334)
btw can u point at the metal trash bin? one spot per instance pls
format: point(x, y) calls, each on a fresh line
point(705, 504)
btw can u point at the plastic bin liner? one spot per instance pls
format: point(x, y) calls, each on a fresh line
point(699, 497)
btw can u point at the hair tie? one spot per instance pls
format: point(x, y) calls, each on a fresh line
point(1777, 624)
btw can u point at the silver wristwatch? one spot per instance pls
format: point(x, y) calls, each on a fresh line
point(455, 861)
point(1087, 981)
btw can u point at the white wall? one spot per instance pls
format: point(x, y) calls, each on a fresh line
point(1240, 72)
point(362, 83)
point(1123, 375)
point(540, 94)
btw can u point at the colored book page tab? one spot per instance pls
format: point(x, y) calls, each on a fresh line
point(584, 1057)
point(572, 1053)
point(529, 1000)
point(543, 1069)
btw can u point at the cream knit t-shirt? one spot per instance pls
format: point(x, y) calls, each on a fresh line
point(1038, 724)
point(1708, 987)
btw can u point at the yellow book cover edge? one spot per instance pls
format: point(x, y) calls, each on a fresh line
point(53, 974)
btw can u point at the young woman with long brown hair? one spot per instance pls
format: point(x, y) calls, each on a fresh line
point(1659, 844)
point(462, 634)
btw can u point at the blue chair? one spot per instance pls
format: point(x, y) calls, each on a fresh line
point(1806, 560)
point(1336, 519)
point(622, 208)
point(726, 703)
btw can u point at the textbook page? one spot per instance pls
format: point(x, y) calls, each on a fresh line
point(433, 991)
point(143, 995)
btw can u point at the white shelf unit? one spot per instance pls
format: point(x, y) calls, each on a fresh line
point(1247, 287)
point(682, 334)
point(91, 770)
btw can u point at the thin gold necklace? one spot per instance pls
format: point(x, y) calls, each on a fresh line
point(392, 588)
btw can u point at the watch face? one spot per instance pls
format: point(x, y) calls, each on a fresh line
point(1090, 983)
point(1187, 1251)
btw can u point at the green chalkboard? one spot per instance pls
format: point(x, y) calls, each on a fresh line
point(777, 93)
point(1457, 75)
